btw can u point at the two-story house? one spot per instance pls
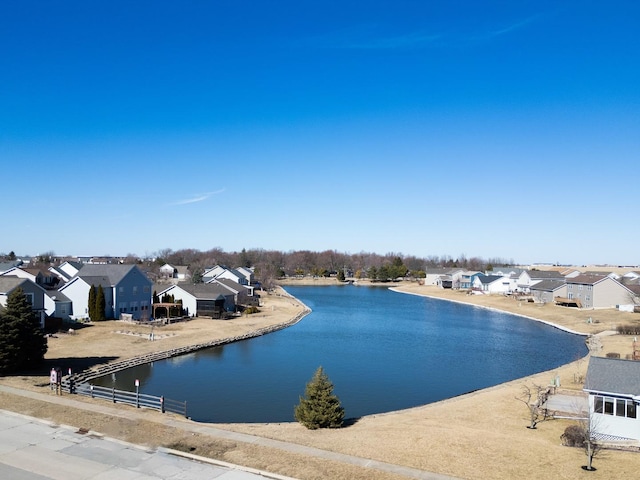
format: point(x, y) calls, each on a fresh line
point(127, 290)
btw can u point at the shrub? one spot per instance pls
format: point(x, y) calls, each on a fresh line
point(574, 436)
point(613, 355)
point(250, 310)
point(628, 329)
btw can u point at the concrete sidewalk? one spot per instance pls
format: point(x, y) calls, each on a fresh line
point(31, 449)
point(205, 429)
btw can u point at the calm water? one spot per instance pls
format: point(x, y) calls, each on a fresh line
point(382, 350)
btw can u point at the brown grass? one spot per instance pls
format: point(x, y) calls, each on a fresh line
point(475, 436)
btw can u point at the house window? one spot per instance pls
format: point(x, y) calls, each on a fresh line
point(135, 290)
point(608, 406)
point(121, 290)
point(29, 297)
point(620, 407)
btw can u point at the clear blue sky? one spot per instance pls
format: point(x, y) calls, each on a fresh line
point(493, 129)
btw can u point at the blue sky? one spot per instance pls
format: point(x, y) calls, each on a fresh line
point(492, 129)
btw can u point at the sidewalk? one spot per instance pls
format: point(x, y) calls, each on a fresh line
point(31, 449)
point(204, 429)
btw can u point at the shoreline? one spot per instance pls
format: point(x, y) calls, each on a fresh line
point(494, 309)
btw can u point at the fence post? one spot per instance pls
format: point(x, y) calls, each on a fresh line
point(91, 389)
point(162, 404)
point(113, 395)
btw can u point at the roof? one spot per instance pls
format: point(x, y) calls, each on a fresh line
point(230, 284)
point(613, 375)
point(113, 273)
point(587, 279)
point(549, 285)
point(9, 283)
point(487, 279)
point(544, 274)
point(57, 296)
point(204, 291)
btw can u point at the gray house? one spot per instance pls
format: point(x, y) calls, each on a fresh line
point(35, 294)
point(546, 291)
point(598, 291)
point(126, 290)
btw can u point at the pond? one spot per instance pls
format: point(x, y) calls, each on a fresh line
point(382, 350)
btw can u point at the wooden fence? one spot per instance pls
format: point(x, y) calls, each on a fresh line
point(139, 400)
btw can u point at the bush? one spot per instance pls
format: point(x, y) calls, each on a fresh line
point(250, 310)
point(629, 329)
point(613, 355)
point(574, 436)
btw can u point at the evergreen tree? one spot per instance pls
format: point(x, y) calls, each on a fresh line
point(100, 304)
point(22, 342)
point(91, 304)
point(319, 408)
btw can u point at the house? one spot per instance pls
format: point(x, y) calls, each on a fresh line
point(57, 305)
point(465, 279)
point(613, 386)
point(44, 278)
point(528, 278)
point(249, 274)
point(126, 290)
point(213, 272)
point(202, 299)
point(243, 294)
point(492, 284)
point(546, 291)
point(35, 293)
point(598, 291)
point(178, 273)
point(441, 276)
point(66, 270)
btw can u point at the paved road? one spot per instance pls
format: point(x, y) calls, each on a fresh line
point(31, 449)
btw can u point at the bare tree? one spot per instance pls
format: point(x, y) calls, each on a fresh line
point(583, 435)
point(534, 396)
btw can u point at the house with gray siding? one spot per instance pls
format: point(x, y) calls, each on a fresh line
point(35, 293)
point(546, 291)
point(598, 291)
point(127, 290)
point(202, 299)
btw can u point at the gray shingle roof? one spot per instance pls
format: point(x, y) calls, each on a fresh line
point(114, 273)
point(544, 274)
point(204, 291)
point(613, 375)
point(548, 285)
point(9, 282)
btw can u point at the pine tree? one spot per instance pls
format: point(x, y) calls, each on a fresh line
point(319, 408)
point(91, 304)
point(22, 342)
point(100, 304)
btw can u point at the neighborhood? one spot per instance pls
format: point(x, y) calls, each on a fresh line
point(61, 293)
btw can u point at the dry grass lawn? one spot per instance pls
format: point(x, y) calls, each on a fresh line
point(475, 436)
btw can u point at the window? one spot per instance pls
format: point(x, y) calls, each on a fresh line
point(29, 298)
point(121, 290)
point(135, 290)
point(631, 409)
point(620, 407)
point(608, 406)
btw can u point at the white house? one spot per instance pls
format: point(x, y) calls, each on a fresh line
point(202, 299)
point(493, 284)
point(248, 274)
point(56, 304)
point(126, 290)
point(613, 386)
